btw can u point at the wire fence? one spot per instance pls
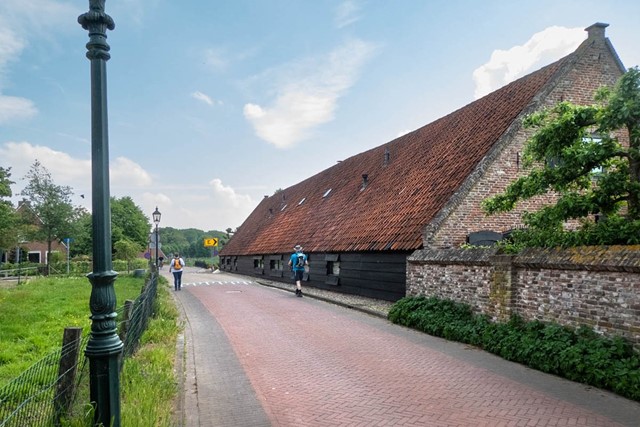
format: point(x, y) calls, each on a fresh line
point(43, 395)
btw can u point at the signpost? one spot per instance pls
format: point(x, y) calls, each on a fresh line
point(67, 243)
point(212, 243)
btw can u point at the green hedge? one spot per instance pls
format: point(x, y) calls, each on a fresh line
point(576, 354)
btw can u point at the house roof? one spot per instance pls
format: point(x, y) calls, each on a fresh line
point(409, 180)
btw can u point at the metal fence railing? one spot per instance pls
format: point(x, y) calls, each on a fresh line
point(32, 399)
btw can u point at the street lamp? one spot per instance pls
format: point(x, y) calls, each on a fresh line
point(104, 347)
point(156, 220)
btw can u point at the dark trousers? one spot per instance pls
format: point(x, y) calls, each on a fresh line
point(177, 279)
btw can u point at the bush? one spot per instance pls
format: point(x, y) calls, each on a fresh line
point(579, 355)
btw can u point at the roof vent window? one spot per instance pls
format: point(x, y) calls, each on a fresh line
point(302, 201)
point(283, 208)
point(326, 193)
point(365, 181)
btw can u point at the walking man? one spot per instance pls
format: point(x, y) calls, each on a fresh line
point(176, 266)
point(298, 262)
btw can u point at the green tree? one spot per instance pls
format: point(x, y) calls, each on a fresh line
point(128, 221)
point(127, 250)
point(82, 235)
point(578, 153)
point(50, 205)
point(8, 219)
point(173, 241)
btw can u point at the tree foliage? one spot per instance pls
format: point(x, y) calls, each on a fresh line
point(578, 152)
point(50, 205)
point(8, 218)
point(129, 221)
point(189, 242)
point(127, 250)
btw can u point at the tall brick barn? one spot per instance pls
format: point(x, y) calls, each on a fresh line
point(360, 219)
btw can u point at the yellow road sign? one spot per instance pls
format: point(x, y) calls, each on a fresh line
point(210, 242)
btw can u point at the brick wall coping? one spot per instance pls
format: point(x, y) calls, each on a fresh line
point(589, 258)
point(458, 256)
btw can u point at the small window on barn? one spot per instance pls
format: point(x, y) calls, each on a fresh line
point(326, 193)
point(333, 269)
point(258, 262)
point(302, 201)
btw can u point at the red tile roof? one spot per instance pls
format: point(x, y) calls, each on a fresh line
point(424, 170)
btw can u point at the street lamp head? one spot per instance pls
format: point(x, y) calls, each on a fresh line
point(156, 216)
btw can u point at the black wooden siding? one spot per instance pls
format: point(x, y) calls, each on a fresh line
point(370, 274)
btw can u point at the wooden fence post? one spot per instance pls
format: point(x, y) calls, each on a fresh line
point(65, 388)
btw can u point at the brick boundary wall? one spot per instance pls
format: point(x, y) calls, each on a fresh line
point(594, 286)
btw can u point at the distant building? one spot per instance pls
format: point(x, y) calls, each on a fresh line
point(359, 219)
point(33, 251)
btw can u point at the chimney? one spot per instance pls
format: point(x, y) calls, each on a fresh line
point(596, 31)
point(365, 181)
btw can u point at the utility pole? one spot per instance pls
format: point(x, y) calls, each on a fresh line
point(104, 346)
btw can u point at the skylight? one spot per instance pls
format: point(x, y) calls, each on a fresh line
point(302, 201)
point(283, 208)
point(326, 193)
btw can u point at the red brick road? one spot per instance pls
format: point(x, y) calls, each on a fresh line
point(316, 364)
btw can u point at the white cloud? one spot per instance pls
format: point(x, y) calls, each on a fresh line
point(228, 195)
point(202, 97)
point(13, 108)
point(214, 206)
point(20, 20)
point(67, 170)
point(541, 49)
point(11, 44)
point(64, 169)
point(307, 94)
point(128, 174)
point(347, 13)
point(39, 17)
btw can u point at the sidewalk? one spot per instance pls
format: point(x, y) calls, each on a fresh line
point(258, 356)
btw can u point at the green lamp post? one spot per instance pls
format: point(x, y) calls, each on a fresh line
point(104, 346)
point(156, 220)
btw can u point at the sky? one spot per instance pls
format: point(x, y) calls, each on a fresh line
point(214, 104)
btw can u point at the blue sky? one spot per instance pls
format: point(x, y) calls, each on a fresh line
point(214, 104)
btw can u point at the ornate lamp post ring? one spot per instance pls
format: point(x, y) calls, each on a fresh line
point(97, 22)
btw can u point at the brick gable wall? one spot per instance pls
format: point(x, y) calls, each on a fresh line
point(593, 65)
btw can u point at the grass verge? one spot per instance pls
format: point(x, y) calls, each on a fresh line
point(33, 316)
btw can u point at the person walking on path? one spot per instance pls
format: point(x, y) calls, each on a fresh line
point(176, 266)
point(298, 262)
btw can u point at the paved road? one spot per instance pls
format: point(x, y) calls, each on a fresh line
point(258, 356)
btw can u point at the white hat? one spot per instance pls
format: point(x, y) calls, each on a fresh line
point(297, 248)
